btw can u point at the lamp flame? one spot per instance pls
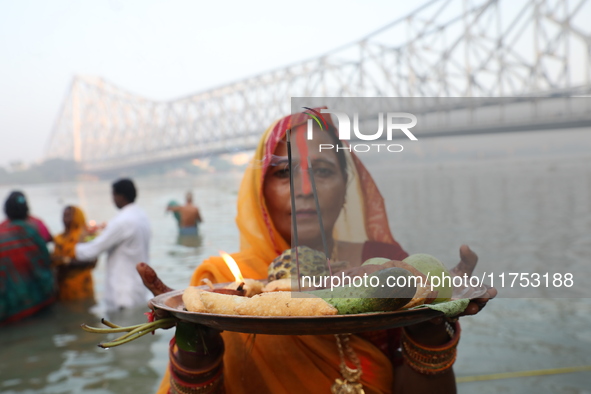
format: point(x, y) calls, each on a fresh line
point(232, 266)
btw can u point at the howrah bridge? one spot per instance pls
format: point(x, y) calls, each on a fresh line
point(523, 51)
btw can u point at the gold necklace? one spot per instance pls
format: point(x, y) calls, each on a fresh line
point(350, 382)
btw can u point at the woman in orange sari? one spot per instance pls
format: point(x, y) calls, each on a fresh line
point(311, 364)
point(74, 278)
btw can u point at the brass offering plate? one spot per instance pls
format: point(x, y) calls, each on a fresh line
point(172, 302)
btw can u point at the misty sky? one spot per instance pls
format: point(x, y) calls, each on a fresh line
point(159, 49)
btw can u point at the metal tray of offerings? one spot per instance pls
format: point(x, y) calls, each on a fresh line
point(172, 302)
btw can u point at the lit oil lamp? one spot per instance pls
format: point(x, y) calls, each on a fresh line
point(247, 287)
point(236, 288)
point(91, 231)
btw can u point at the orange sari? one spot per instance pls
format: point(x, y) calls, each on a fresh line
point(288, 364)
point(74, 283)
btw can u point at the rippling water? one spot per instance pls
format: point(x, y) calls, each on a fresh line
point(526, 214)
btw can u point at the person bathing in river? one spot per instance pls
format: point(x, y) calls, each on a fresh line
point(126, 239)
point(243, 363)
point(188, 216)
point(74, 278)
point(26, 278)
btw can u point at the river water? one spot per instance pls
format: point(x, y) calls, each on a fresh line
point(517, 211)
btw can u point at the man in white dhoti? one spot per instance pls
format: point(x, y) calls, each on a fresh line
point(126, 239)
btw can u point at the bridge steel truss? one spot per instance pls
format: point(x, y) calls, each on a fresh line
point(446, 48)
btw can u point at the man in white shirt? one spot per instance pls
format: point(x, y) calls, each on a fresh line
point(126, 239)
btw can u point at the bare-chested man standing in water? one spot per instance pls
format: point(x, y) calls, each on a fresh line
point(190, 217)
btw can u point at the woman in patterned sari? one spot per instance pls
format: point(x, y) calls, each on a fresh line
point(26, 278)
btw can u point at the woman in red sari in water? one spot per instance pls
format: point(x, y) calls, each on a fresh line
point(26, 278)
